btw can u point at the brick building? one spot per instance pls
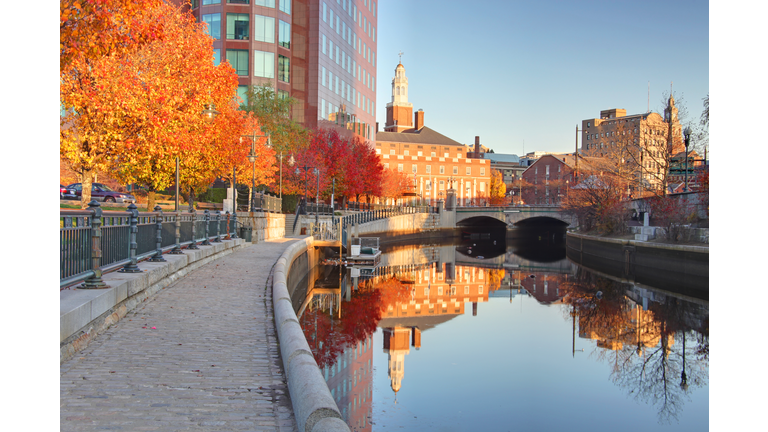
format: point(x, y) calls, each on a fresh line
point(548, 179)
point(616, 134)
point(320, 52)
point(436, 162)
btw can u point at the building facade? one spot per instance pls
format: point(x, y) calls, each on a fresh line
point(322, 53)
point(643, 143)
point(436, 162)
point(548, 179)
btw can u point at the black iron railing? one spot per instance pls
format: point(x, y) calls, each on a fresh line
point(93, 241)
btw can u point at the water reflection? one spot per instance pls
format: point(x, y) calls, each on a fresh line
point(655, 343)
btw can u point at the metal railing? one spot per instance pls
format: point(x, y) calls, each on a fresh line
point(94, 241)
point(338, 227)
point(261, 202)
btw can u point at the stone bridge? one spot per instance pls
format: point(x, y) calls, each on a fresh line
point(512, 216)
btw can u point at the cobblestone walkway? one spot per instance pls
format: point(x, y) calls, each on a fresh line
point(201, 355)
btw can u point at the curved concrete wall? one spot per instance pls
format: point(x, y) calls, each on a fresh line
point(313, 406)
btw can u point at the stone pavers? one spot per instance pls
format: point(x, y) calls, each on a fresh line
point(201, 355)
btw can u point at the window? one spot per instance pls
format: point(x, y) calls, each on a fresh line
point(391, 151)
point(216, 56)
point(455, 170)
point(237, 26)
point(267, 3)
point(239, 61)
point(429, 168)
point(469, 171)
point(263, 64)
point(442, 184)
point(442, 169)
point(482, 171)
point(285, 6)
point(413, 168)
point(242, 92)
point(214, 25)
point(325, 12)
point(434, 154)
point(285, 35)
point(210, 2)
point(323, 44)
point(324, 81)
point(400, 167)
point(263, 29)
point(284, 69)
point(406, 152)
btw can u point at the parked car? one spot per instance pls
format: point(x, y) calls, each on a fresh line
point(65, 193)
point(102, 192)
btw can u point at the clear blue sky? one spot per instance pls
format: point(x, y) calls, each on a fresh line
point(515, 72)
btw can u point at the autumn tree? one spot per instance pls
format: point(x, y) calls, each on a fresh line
point(92, 32)
point(395, 184)
point(598, 202)
point(273, 111)
point(498, 190)
point(136, 112)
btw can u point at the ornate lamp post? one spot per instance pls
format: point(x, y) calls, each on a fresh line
point(252, 156)
point(687, 135)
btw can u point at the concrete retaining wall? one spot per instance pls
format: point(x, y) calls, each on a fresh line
point(85, 313)
point(313, 406)
point(680, 268)
point(265, 225)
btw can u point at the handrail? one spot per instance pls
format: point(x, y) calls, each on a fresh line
point(93, 241)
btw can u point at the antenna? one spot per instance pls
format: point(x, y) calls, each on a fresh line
point(401, 56)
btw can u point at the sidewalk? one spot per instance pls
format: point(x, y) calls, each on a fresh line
point(201, 355)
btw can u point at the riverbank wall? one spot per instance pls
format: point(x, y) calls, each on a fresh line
point(679, 268)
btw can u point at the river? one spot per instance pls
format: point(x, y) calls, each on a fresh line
point(496, 333)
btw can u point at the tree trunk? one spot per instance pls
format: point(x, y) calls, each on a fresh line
point(151, 200)
point(86, 182)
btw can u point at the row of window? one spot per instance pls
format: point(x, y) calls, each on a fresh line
point(342, 58)
point(263, 63)
point(348, 35)
point(238, 27)
point(346, 91)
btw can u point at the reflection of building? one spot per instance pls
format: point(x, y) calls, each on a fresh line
point(322, 53)
point(350, 381)
point(544, 288)
point(435, 162)
point(397, 343)
point(436, 292)
point(638, 329)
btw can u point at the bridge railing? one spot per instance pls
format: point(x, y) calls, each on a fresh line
point(93, 241)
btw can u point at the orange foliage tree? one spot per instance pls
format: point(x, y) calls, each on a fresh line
point(134, 111)
point(498, 190)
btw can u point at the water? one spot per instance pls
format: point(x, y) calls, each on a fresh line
point(519, 339)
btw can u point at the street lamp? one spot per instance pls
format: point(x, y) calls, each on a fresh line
point(305, 168)
point(687, 134)
point(252, 158)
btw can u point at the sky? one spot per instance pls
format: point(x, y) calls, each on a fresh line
point(522, 75)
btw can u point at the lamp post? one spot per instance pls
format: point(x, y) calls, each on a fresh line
point(687, 134)
point(252, 156)
point(305, 168)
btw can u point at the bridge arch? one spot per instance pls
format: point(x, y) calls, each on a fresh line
point(481, 221)
point(540, 221)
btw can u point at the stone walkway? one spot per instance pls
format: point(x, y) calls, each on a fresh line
point(201, 355)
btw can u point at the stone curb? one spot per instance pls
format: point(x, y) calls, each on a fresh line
point(86, 313)
point(313, 405)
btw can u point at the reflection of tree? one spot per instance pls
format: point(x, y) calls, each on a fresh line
point(393, 292)
point(657, 355)
point(494, 277)
point(328, 335)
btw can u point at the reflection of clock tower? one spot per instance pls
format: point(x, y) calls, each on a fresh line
point(396, 344)
point(399, 111)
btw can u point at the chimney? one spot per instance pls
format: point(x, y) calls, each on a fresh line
point(477, 147)
point(418, 119)
point(377, 127)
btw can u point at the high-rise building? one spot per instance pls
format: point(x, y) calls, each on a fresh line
point(322, 53)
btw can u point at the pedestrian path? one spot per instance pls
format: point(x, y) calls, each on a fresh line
point(201, 355)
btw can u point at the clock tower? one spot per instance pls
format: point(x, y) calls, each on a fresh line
point(399, 111)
